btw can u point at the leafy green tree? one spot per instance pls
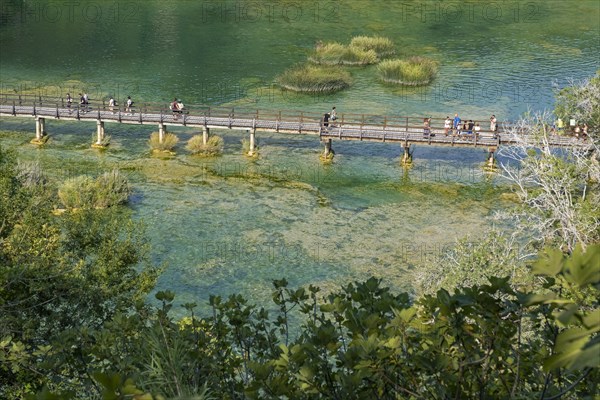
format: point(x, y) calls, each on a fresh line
point(59, 276)
point(474, 260)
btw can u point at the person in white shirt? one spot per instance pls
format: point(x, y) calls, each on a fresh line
point(493, 123)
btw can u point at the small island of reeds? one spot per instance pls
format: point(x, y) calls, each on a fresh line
point(166, 146)
point(107, 190)
point(382, 46)
point(339, 54)
point(213, 147)
point(415, 71)
point(315, 79)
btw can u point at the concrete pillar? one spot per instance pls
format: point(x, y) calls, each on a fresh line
point(205, 133)
point(490, 165)
point(407, 156)
point(252, 139)
point(161, 132)
point(327, 152)
point(40, 128)
point(99, 132)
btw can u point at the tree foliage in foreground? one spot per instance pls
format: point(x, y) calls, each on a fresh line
point(73, 325)
point(363, 342)
point(60, 277)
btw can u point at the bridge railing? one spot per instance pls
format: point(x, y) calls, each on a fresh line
point(352, 121)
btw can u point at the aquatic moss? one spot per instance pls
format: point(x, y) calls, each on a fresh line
point(339, 54)
point(415, 71)
point(315, 79)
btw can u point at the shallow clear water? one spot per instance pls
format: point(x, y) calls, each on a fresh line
point(231, 224)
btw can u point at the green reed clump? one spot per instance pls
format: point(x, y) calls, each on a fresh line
point(382, 46)
point(112, 188)
point(213, 147)
point(339, 54)
point(315, 79)
point(109, 189)
point(412, 72)
point(168, 144)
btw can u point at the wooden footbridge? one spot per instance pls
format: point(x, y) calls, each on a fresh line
point(406, 131)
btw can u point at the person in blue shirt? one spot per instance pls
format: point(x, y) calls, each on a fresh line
point(456, 121)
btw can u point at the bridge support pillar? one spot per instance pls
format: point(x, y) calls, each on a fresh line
point(407, 157)
point(99, 135)
point(490, 164)
point(205, 133)
point(328, 153)
point(161, 132)
point(252, 145)
point(40, 131)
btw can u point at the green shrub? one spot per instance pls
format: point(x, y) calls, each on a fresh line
point(78, 192)
point(213, 147)
point(112, 188)
point(382, 46)
point(109, 189)
point(168, 143)
point(339, 54)
point(412, 72)
point(315, 79)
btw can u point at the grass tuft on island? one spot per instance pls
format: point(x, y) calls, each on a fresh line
point(339, 54)
point(382, 46)
point(415, 71)
point(213, 147)
point(167, 145)
point(315, 79)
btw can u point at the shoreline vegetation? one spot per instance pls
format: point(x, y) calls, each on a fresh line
point(416, 71)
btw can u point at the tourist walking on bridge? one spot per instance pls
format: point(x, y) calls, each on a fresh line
point(111, 104)
point(493, 124)
point(128, 104)
point(174, 106)
point(456, 122)
point(426, 127)
point(326, 118)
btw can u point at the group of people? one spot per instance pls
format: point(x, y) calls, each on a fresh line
point(177, 107)
point(84, 102)
point(458, 127)
point(455, 127)
point(330, 116)
point(579, 130)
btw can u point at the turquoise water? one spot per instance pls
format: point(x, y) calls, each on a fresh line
point(232, 224)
